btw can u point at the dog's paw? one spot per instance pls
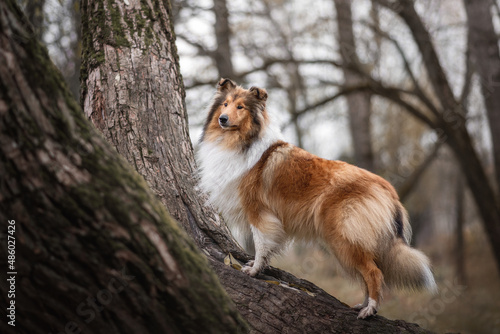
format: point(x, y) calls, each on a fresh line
point(369, 310)
point(251, 271)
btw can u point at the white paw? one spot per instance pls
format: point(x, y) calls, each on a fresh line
point(250, 263)
point(369, 310)
point(251, 271)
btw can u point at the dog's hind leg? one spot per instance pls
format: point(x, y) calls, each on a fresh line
point(373, 278)
point(268, 237)
point(359, 262)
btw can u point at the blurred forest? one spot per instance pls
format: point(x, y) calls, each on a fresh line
point(407, 89)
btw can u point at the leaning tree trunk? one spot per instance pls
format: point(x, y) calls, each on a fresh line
point(133, 92)
point(89, 247)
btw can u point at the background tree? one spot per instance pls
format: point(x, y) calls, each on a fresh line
point(60, 30)
point(483, 45)
point(223, 53)
point(359, 105)
point(448, 118)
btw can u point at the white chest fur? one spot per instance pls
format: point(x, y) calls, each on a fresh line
point(221, 171)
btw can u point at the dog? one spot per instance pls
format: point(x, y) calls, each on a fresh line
point(270, 191)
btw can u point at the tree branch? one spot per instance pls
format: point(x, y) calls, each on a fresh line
point(469, 72)
point(202, 50)
point(265, 66)
point(391, 93)
point(411, 181)
point(418, 91)
point(435, 71)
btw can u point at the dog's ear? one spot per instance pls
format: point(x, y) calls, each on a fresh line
point(259, 93)
point(225, 85)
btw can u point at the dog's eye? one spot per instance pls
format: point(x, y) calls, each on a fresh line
point(239, 107)
point(225, 104)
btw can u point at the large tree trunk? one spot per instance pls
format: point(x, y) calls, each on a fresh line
point(90, 247)
point(358, 103)
point(486, 55)
point(133, 92)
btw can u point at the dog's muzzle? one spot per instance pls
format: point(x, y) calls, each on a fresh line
point(223, 120)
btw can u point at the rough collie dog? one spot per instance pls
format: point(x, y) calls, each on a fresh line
point(270, 191)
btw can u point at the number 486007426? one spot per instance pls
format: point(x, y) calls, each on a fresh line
point(11, 244)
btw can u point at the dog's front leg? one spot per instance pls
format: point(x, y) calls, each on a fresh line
point(263, 249)
point(268, 240)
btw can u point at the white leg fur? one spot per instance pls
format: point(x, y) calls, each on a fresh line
point(369, 310)
point(266, 244)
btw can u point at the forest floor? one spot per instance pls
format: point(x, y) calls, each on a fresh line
point(470, 308)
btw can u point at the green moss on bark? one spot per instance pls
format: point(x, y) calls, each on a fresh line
point(126, 202)
point(140, 23)
point(93, 22)
point(101, 25)
point(116, 33)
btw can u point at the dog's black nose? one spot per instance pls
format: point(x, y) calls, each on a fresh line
point(223, 119)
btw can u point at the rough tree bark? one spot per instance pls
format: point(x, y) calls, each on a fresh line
point(132, 91)
point(358, 103)
point(95, 251)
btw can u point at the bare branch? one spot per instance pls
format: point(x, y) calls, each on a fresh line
point(390, 93)
point(409, 184)
point(343, 91)
point(394, 94)
point(435, 71)
point(264, 67)
point(469, 72)
point(417, 88)
point(202, 50)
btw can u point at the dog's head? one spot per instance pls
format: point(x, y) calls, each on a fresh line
point(238, 114)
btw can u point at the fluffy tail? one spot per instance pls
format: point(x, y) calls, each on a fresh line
point(405, 267)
